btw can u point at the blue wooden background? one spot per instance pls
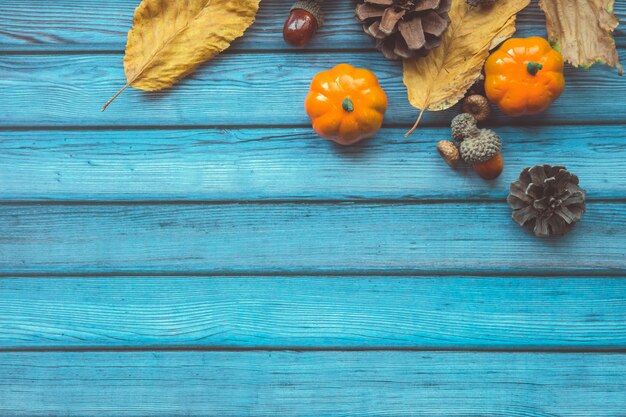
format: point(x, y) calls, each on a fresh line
point(200, 252)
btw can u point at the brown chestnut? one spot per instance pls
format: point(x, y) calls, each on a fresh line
point(303, 21)
point(299, 27)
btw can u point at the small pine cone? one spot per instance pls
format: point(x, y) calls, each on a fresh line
point(547, 200)
point(404, 28)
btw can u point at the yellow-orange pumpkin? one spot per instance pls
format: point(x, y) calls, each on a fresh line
point(346, 104)
point(524, 76)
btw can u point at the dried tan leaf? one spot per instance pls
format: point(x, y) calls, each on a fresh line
point(439, 80)
point(169, 39)
point(583, 31)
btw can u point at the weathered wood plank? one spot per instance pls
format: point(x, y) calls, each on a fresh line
point(243, 89)
point(64, 25)
point(268, 164)
point(301, 238)
point(312, 383)
point(313, 312)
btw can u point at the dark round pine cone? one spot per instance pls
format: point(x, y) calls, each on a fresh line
point(547, 200)
point(404, 28)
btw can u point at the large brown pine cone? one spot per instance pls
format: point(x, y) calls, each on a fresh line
point(404, 28)
point(547, 200)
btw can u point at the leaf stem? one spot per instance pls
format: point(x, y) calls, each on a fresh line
point(114, 97)
point(416, 123)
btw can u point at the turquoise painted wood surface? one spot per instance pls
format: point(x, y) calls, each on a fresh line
point(262, 383)
point(42, 90)
point(288, 164)
point(199, 251)
point(303, 312)
point(61, 26)
point(352, 238)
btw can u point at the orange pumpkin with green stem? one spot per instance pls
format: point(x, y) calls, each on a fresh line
point(524, 76)
point(346, 104)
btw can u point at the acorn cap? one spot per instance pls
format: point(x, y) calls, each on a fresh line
point(463, 126)
point(312, 6)
point(478, 106)
point(480, 148)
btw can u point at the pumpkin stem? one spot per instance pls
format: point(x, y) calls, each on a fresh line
point(533, 67)
point(417, 122)
point(347, 105)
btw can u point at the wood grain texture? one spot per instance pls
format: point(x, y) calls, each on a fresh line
point(289, 163)
point(301, 238)
point(313, 312)
point(312, 383)
point(242, 262)
point(65, 25)
point(242, 90)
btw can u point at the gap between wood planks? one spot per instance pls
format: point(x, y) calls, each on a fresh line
point(404, 126)
point(264, 202)
point(365, 274)
point(112, 51)
point(296, 349)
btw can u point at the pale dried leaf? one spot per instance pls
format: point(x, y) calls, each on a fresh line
point(170, 39)
point(507, 31)
point(439, 80)
point(583, 30)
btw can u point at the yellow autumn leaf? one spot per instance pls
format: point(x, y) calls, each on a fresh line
point(440, 79)
point(170, 38)
point(583, 31)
